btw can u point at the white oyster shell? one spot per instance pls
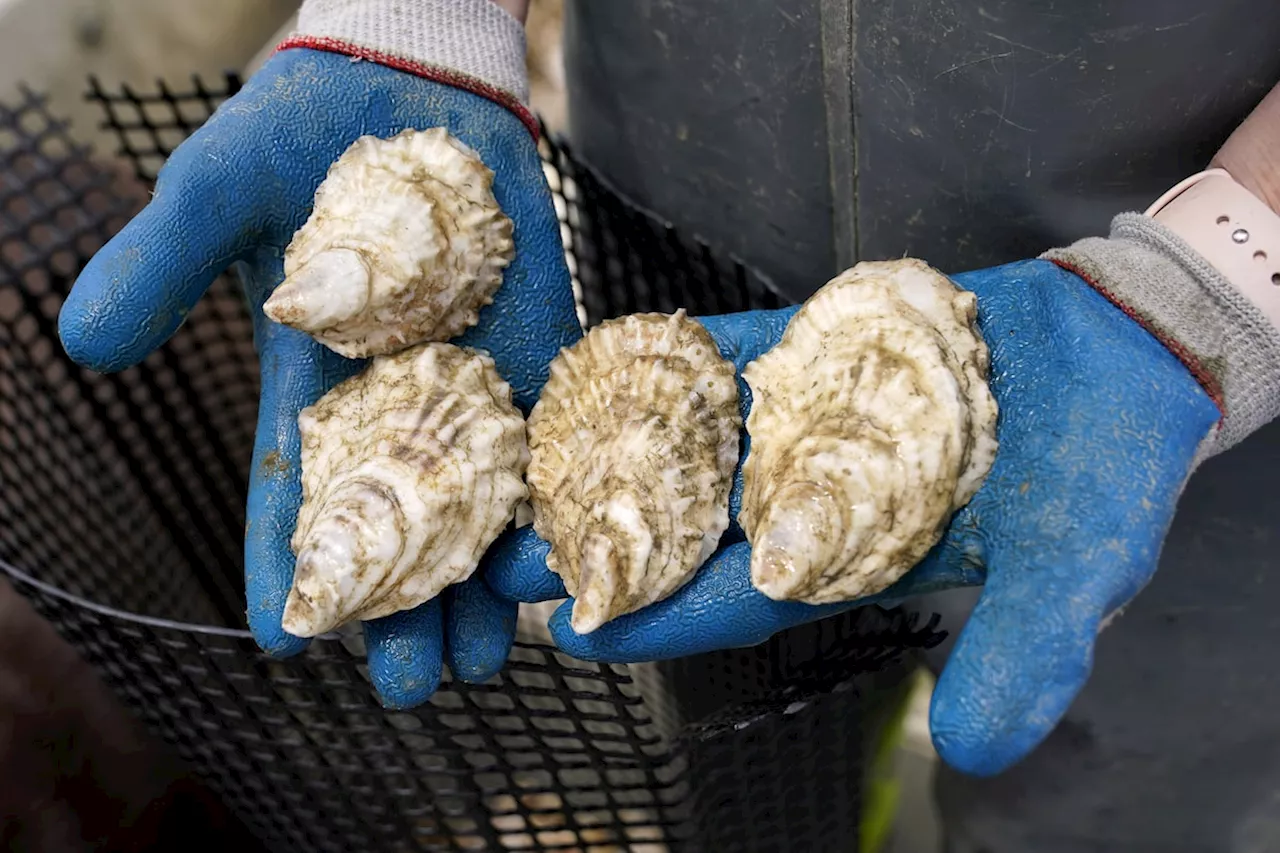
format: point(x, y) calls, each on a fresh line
point(405, 244)
point(633, 444)
point(410, 470)
point(871, 423)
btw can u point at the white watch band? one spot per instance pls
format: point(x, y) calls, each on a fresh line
point(1232, 229)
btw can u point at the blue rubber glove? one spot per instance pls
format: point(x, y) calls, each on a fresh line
point(1099, 425)
point(235, 192)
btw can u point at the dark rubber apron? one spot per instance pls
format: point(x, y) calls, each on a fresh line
point(803, 135)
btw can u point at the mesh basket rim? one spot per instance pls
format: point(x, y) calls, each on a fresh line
point(124, 615)
point(169, 624)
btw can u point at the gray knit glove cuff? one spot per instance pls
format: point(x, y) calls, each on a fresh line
point(1224, 340)
point(470, 44)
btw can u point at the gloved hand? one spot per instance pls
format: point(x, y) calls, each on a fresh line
point(1099, 426)
point(238, 189)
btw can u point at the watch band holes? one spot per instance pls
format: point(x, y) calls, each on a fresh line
point(1223, 220)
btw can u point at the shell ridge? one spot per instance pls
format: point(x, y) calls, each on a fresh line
point(871, 418)
point(651, 403)
point(419, 213)
point(435, 430)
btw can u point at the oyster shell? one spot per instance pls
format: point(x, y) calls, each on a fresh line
point(871, 423)
point(405, 244)
point(410, 470)
point(633, 444)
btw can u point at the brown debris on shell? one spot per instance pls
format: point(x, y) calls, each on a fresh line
point(871, 423)
point(410, 470)
point(633, 445)
point(405, 244)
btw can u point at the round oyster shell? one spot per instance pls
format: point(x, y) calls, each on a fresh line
point(871, 423)
point(410, 470)
point(405, 244)
point(633, 444)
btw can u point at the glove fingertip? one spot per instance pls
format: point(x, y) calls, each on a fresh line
point(404, 694)
point(569, 641)
point(630, 638)
point(137, 290)
point(975, 744)
point(480, 628)
point(273, 639)
point(515, 568)
point(719, 608)
point(472, 670)
point(994, 704)
point(405, 655)
point(110, 320)
point(265, 610)
point(77, 321)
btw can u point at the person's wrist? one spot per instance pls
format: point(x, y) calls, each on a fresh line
point(1251, 155)
point(475, 45)
point(518, 9)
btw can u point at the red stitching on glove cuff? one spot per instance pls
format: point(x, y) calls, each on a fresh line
point(434, 73)
point(1206, 378)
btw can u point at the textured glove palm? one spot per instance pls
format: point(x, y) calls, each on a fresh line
point(235, 192)
point(1099, 428)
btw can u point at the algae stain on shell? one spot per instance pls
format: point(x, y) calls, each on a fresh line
point(633, 445)
point(410, 470)
point(871, 423)
point(405, 244)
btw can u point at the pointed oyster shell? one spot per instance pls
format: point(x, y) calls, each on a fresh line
point(632, 446)
point(871, 423)
point(405, 244)
point(410, 470)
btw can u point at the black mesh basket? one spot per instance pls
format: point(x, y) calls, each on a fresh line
point(122, 519)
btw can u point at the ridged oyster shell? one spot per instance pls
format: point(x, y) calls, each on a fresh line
point(633, 445)
point(871, 423)
point(410, 470)
point(405, 244)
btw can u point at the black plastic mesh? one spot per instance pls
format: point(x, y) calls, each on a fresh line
point(121, 517)
point(626, 260)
